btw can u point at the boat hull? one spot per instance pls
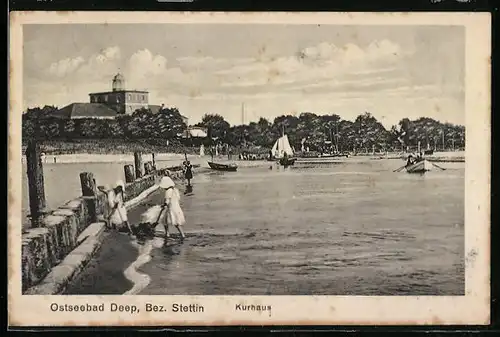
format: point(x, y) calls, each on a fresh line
point(420, 167)
point(287, 161)
point(222, 167)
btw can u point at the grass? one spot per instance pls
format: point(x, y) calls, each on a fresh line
point(112, 146)
point(119, 146)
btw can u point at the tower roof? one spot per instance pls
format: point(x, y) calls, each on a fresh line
point(118, 77)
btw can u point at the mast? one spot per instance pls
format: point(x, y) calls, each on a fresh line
point(243, 122)
point(243, 113)
point(331, 138)
point(337, 136)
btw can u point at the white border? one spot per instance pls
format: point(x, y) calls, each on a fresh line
point(473, 308)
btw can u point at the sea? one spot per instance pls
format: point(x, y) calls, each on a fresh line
point(344, 227)
point(351, 228)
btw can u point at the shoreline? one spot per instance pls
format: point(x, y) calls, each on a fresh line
point(458, 156)
point(106, 158)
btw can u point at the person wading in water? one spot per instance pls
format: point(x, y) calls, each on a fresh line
point(171, 209)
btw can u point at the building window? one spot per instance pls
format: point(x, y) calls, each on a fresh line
point(129, 97)
point(105, 98)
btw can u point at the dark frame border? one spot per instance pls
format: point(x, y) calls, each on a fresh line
point(316, 6)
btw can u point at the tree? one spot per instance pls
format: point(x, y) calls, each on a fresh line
point(317, 130)
point(50, 128)
point(89, 128)
point(169, 123)
point(69, 129)
point(216, 125)
point(28, 128)
point(141, 124)
point(113, 129)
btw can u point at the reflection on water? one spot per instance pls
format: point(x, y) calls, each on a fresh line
point(351, 228)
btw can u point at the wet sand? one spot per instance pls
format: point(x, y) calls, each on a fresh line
point(104, 274)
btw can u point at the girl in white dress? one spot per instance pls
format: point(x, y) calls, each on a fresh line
point(172, 214)
point(118, 215)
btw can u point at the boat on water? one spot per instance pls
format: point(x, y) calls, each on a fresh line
point(223, 167)
point(419, 167)
point(333, 155)
point(283, 152)
point(287, 161)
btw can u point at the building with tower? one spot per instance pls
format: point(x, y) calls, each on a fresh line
point(110, 104)
point(120, 99)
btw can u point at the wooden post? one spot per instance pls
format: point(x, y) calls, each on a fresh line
point(87, 181)
point(153, 161)
point(35, 182)
point(89, 194)
point(138, 165)
point(129, 173)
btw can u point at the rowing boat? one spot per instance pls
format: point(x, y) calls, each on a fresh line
point(285, 161)
point(223, 167)
point(419, 167)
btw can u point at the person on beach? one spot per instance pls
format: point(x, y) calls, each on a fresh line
point(188, 172)
point(172, 212)
point(118, 214)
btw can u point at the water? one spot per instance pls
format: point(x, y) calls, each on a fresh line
point(354, 228)
point(351, 228)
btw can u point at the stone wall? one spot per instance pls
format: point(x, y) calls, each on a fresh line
point(45, 249)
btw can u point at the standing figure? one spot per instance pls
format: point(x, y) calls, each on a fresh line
point(172, 211)
point(188, 172)
point(118, 214)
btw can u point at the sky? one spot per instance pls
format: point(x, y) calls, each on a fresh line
point(271, 69)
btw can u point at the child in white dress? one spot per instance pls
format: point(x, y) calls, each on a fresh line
point(172, 214)
point(118, 216)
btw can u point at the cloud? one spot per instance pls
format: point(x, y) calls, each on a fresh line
point(78, 65)
point(345, 79)
point(314, 63)
point(143, 64)
point(66, 66)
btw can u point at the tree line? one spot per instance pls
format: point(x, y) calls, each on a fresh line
point(308, 130)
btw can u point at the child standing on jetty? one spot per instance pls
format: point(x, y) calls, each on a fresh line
point(173, 214)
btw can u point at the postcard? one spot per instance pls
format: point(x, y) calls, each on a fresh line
point(197, 168)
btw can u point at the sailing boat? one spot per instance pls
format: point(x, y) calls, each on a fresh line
point(282, 151)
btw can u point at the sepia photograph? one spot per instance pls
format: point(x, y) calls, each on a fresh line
point(277, 162)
